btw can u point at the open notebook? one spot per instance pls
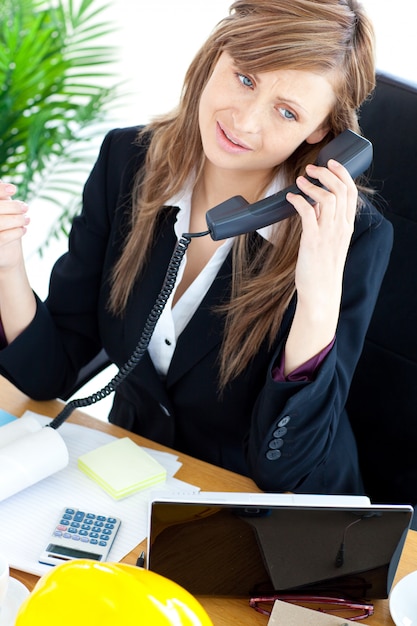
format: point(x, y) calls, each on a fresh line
point(252, 544)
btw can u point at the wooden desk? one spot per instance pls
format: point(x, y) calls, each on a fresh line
point(223, 612)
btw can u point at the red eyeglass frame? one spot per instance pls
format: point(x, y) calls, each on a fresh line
point(368, 609)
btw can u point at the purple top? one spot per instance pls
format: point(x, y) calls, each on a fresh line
point(3, 340)
point(304, 372)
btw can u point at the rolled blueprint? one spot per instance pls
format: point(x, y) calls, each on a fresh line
point(18, 429)
point(30, 458)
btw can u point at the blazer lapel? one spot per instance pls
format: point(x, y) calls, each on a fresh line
point(204, 330)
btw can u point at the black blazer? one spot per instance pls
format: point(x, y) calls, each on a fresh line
point(291, 436)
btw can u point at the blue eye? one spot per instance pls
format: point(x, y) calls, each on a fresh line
point(245, 80)
point(286, 113)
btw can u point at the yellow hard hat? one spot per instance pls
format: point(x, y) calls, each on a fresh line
point(89, 593)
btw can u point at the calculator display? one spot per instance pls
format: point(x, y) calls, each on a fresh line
point(72, 553)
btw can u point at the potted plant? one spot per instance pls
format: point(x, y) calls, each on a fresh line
point(54, 66)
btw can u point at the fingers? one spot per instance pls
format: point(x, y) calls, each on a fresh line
point(13, 214)
point(335, 179)
point(7, 190)
point(336, 197)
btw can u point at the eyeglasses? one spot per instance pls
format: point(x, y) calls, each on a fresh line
point(353, 611)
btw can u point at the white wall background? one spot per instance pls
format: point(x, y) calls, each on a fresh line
point(155, 43)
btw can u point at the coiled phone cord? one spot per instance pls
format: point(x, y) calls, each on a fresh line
point(143, 343)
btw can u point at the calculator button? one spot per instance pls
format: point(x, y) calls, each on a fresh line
point(86, 528)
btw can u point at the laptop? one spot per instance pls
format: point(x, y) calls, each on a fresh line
point(246, 544)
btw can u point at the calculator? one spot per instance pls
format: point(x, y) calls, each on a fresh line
point(80, 535)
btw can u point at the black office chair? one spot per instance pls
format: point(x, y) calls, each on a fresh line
point(383, 399)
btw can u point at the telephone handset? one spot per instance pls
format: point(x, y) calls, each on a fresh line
point(236, 216)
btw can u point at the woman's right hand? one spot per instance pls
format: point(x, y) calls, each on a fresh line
point(17, 300)
point(13, 223)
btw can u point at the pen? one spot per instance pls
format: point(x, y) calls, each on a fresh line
point(141, 560)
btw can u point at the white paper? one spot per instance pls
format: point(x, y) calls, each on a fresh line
point(27, 518)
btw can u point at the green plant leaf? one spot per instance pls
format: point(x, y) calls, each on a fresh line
point(55, 72)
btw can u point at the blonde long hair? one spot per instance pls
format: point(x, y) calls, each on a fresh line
point(323, 36)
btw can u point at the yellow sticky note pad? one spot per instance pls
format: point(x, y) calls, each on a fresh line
point(122, 468)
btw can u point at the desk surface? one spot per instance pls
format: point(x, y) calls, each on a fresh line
point(209, 478)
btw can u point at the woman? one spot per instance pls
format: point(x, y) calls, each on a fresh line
point(250, 363)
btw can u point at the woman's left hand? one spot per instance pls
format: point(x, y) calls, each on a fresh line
point(327, 228)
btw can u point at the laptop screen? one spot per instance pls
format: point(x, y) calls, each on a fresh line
point(245, 550)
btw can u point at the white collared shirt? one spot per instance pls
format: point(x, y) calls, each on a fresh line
point(173, 320)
